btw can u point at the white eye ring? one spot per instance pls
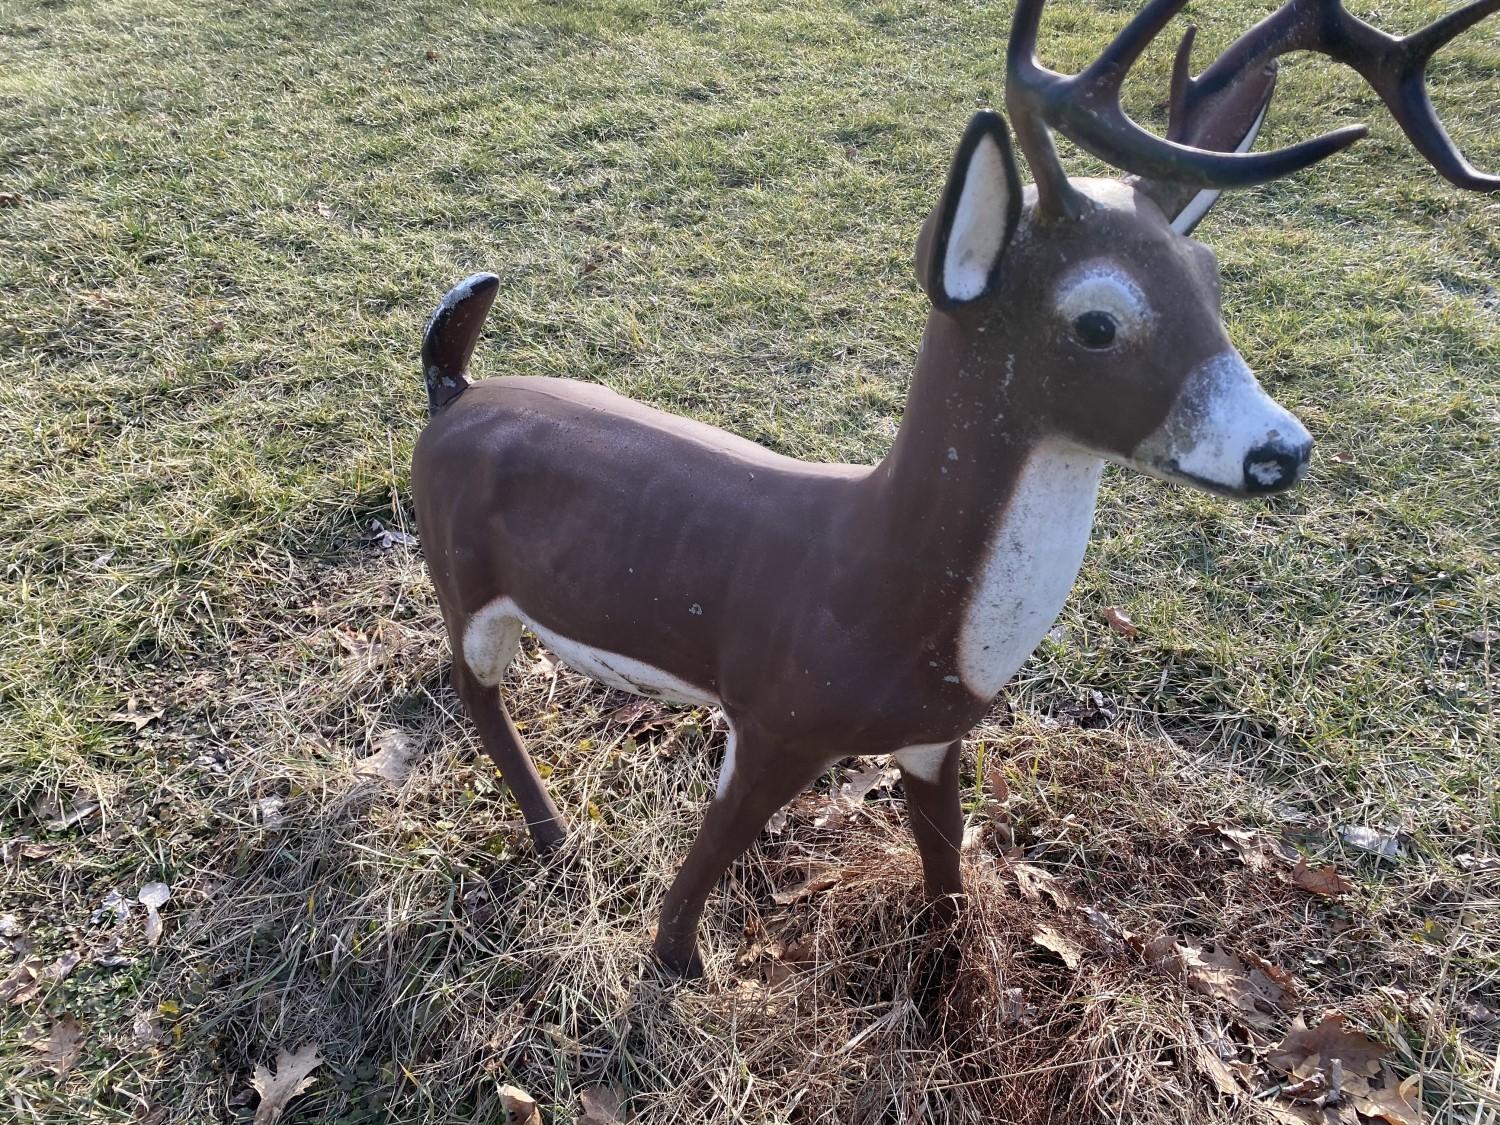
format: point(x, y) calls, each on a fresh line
point(1102, 286)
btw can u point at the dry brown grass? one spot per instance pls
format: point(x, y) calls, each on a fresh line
point(410, 930)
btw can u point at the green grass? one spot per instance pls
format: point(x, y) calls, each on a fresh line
point(233, 220)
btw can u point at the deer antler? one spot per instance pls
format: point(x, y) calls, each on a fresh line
point(1086, 107)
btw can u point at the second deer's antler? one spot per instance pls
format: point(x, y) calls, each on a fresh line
point(1086, 107)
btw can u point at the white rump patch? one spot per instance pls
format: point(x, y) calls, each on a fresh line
point(978, 232)
point(925, 761)
point(1221, 415)
point(1029, 567)
point(492, 634)
point(490, 641)
point(1101, 285)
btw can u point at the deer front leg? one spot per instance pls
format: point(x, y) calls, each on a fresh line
point(503, 743)
point(930, 776)
point(755, 782)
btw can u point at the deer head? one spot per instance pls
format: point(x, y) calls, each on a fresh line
point(1086, 299)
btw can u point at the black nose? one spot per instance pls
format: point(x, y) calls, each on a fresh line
point(1275, 467)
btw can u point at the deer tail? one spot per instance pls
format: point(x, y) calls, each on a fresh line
point(452, 331)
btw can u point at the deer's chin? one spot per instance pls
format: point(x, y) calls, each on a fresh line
point(1173, 473)
point(1226, 435)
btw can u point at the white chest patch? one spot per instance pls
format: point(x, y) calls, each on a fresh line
point(1032, 560)
point(492, 635)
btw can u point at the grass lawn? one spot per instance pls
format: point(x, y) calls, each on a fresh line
point(222, 226)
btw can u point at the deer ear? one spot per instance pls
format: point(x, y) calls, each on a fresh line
point(963, 240)
point(1229, 123)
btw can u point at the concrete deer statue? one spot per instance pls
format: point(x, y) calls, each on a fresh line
point(834, 610)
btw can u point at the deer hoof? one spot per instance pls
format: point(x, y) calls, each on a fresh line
point(682, 965)
point(548, 835)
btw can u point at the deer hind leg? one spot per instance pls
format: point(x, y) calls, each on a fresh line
point(477, 668)
point(755, 783)
point(929, 775)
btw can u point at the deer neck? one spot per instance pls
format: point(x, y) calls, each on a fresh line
point(992, 512)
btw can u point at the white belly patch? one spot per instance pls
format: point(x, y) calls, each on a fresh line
point(1029, 567)
point(494, 633)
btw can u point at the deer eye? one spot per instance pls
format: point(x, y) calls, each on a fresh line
point(1095, 329)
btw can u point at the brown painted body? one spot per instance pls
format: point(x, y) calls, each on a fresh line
point(834, 610)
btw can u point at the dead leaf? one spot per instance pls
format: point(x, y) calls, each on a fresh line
point(135, 716)
point(11, 199)
point(862, 784)
point(777, 823)
point(271, 815)
point(1014, 1007)
point(1257, 997)
point(1049, 939)
point(1034, 882)
point(813, 884)
point(761, 945)
point(1325, 881)
point(597, 257)
point(1275, 972)
point(76, 814)
point(18, 848)
point(1316, 1086)
point(640, 715)
point(391, 760)
point(1119, 621)
point(1342, 457)
point(1385, 844)
point(60, 1050)
point(1256, 850)
point(1107, 927)
point(293, 1076)
point(153, 896)
point(430, 54)
point(1091, 711)
point(384, 538)
point(21, 985)
point(601, 1106)
point(113, 903)
point(994, 777)
point(802, 951)
point(519, 1107)
point(1225, 1077)
point(63, 967)
point(851, 795)
point(1485, 636)
point(1394, 1101)
point(1307, 1050)
point(144, 1030)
